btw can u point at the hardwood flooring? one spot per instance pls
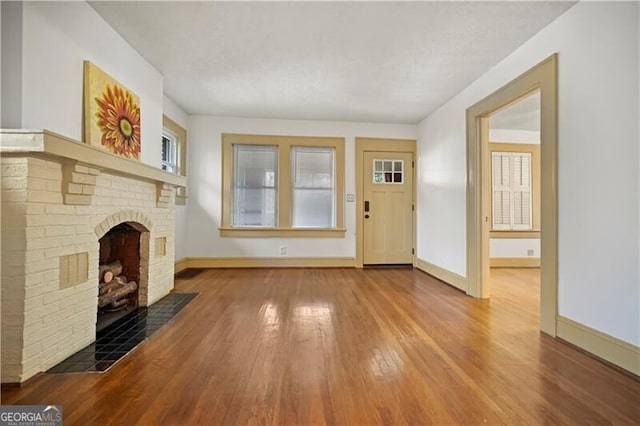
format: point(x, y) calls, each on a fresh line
point(346, 347)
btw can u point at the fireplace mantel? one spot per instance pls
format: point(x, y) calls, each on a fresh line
point(49, 144)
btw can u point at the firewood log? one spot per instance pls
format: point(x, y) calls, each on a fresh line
point(108, 288)
point(116, 294)
point(108, 271)
point(116, 268)
point(120, 279)
point(104, 274)
point(116, 304)
point(116, 283)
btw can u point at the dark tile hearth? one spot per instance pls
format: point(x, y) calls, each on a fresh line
point(118, 338)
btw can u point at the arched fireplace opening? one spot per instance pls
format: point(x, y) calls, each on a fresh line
point(119, 272)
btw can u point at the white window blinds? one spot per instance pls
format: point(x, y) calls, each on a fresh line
point(255, 197)
point(313, 189)
point(511, 182)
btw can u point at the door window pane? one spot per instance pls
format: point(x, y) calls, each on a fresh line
point(388, 171)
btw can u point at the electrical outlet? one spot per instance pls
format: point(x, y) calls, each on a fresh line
point(351, 198)
point(530, 252)
point(283, 250)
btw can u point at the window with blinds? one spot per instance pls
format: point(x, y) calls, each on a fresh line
point(313, 187)
point(282, 186)
point(255, 189)
point(511, 184)
point(170, 153)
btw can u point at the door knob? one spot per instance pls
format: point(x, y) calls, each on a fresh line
point(366, 216)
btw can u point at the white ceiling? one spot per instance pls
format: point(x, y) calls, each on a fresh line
point(391, 62)
point(523, 115)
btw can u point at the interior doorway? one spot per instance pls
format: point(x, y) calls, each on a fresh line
point(385, 199)
point(540, 79)
point(514, 238)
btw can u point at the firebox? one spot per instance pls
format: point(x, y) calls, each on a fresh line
point(119, 273)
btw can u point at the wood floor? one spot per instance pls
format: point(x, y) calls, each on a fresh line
point(346, 347)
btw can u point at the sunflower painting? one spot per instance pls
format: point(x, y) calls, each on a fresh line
point(111, 114)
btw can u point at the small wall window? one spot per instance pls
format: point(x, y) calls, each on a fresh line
point(174, 153)
point(170, 153)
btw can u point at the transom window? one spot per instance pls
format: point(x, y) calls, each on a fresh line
point(282, 185)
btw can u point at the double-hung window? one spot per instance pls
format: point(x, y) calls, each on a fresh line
point(255, 191)
point(313, 190)
point(282, 186)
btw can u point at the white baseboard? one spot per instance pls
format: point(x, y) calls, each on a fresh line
point(451, 278)
point(611, 349)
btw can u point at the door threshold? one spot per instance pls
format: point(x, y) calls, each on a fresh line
point(388, 266)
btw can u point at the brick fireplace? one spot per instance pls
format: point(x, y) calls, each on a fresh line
point(60, 198)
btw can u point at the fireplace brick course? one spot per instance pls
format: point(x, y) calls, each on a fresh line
point(42, 323)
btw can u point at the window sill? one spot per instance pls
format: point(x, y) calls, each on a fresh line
point(514, 234)
point(282, 232)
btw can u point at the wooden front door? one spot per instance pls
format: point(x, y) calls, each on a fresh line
point(388, 208)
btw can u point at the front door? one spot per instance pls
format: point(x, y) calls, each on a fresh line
point(388, 208)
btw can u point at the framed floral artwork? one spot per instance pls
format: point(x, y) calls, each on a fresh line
point(111, 114)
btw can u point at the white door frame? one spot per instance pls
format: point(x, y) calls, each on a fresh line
point(542, 77)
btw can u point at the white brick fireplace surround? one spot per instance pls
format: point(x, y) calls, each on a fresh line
point(59, 197)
